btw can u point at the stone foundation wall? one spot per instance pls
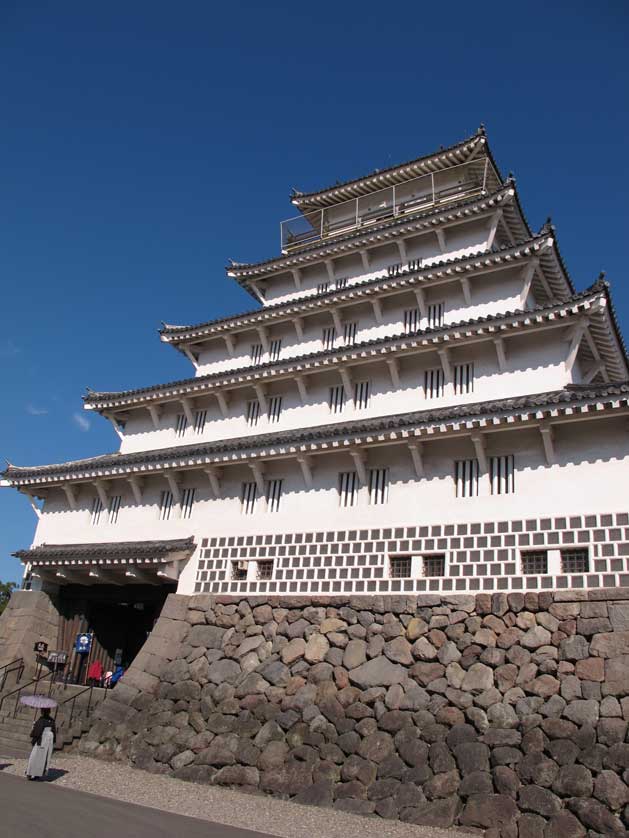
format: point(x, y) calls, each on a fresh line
point(503, 712)
point(30, 616)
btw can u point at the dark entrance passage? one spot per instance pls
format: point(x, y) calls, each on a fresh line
point(119, 617)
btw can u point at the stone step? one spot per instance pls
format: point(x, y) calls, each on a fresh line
point(9, 748)
point(12, 753)
point(7, 733)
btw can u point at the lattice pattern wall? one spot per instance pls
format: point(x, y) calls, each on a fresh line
point(479, 557)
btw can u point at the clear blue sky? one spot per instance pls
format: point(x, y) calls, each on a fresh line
point(145, 143)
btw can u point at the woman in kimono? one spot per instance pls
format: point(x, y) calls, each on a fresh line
point(43, 738)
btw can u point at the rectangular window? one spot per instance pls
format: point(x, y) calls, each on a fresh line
point(348, 488)
point(341, 283)
point(463, 379)
point(400, 567)
point(181, 424)
point(264, 570)
point(114, 508)
point(256, 354)
point(411, 320)
point(329, 336)
point(239, 571)
point(378, 486)
point(434, 565)
point(97, 509)
point(187, 502)
point(501, 475)
point(434, 383)
point(275, 408)
point(273, 495)
point(337, 399)
point(274, 349)
point(361, 395)
point(323, 287)
point(394, 270)
point(349, 333)
point(253, 412)
point(435, 315)
point(165, 505)
point(200, 418)
point(248, 498)
point(534, 562)
point(575, 561)
point(466, 478)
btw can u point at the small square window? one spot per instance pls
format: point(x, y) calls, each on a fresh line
point(575, 561)
point(434, 565)
point(534, 563)
point(400, 567)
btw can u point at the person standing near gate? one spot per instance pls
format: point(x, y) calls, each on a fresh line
point(43, 737)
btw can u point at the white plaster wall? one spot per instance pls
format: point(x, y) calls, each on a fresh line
point(592, 454)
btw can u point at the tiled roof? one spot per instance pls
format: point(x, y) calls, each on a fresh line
point(173, 334)
point(107, 550)
point(572, 397)
point(308, 199)
point(102, 400)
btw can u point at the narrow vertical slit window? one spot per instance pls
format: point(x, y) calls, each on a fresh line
point(200, 418)
point(264, 570)
point(466, 481)
point(575, 561)
point(323, 287)
point(275, 408)
point(434, 565)
point(348, 488)
point(187, 502)
point(394, 270)
point(275, 349)
point(502, 477)
point(378, 486)
point(248, 498)
point(253, 413)
point(256, 354)
point(337, 399)
point(362, 395)
point(435, 315)
point(97, 509)
point(349, 333)
point(273, 495)
point(181, 424)
point(434, 383)
point(411, 320)
point(114, 508)
point(534, 562)
point(329, 337)
point(463, 379)
point(341, 283)
point(165, 505)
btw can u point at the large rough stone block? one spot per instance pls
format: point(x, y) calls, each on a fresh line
point(175, 607)
point(378, 672)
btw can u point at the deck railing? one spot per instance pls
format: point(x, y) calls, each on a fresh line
point(13, 666)
point(392, 202)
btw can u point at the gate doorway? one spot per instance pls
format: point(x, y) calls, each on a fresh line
point(119, 618)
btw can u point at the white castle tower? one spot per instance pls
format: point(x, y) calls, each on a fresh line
point(420, 401)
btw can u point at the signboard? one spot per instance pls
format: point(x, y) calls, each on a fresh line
point(40, 647)
point(83, 643)
point(58, 657)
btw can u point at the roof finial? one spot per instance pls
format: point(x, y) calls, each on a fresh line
point(481, 129)
point(601, 281)
point(510, 178)
point(547, 226)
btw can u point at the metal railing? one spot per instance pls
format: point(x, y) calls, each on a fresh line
point(72, 702)
point(13, 666)
point(18, 692)
point(392, 202)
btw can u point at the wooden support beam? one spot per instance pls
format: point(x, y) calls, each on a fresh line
point(493, 229)
point(444, 357)
point(360, 461)
point(575, 337)
point(364, 255)
point(230, 343)
point(155, 412)
point(377, 310)
point(222, 398)
point(170, 570)
point(214, 476)
point(338, 321)
point(394, 371)
point(114, 425)
point(305, 464)
point(527, 281)
point(261, 394)
point(257, 469)
point(186, 406)
point(478, 441)
point(298, 323)
point(421, 302)
point(329, 265)
point(101, 491)
point(441, 238)
point(346, 380)
point(141, 575)
point(501, 353)
point(548, 441)
point(136, 488)
point(593, 371)
point(263, 334)
point(32, 502)
point(467, 291)
point(417, 455)
point(173, 480)
point(401, 246)
point(71, 496)
point(296, 278)
point(302, 387)
point(104, 576)
point(192, 358)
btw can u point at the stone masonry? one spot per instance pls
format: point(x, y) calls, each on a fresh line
point(499, 712)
